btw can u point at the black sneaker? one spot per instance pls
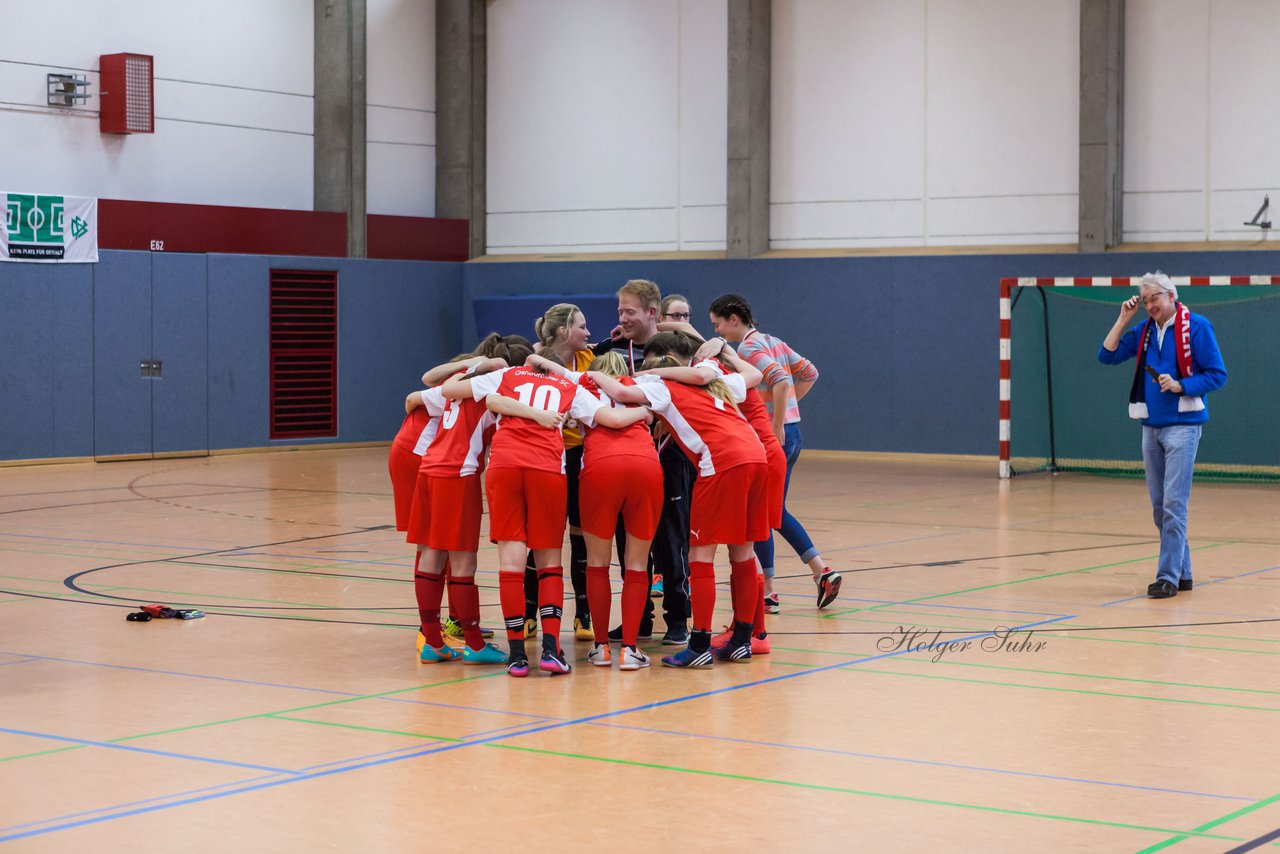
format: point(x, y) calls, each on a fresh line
point(677, 634)
point(737, 652)
point(553, 660)
point(1185, 584)
point(828, 587)
point(645, 633)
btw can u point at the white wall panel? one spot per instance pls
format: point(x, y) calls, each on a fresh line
point(591, 143)
point(1002, 120)
point(234, 101)
point(1244, 119)
point(1166, 114)
point(861, 223)
point(401, 114)
point(924, 122)
point(848, 92)
point(702, 134)
point(582, 231)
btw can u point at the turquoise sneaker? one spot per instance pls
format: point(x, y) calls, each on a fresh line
point(655, 590)
point(489, 654)
point(434, 655)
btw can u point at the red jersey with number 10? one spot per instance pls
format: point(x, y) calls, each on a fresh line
point(521, 442)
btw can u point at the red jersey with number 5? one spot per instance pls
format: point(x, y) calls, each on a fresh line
point(521, 442)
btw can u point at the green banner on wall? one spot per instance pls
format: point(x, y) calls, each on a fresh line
point(47, 228)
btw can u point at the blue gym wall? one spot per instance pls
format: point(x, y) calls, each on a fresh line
point(907, 345)
point(72, 337)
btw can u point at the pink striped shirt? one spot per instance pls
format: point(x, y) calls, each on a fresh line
point(779, 363)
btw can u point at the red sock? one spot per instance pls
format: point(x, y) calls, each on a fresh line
point(551, 600)
point(742, 586)
point(599, 601)
point(702, 594)
point(511, 597)
point(757, 624)
point(429, 590)
point(464, 602)
point(635, 592)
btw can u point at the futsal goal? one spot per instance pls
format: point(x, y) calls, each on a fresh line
point(1070, 412)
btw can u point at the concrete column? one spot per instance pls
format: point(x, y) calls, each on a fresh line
point(747, 218)
point(461, 95)
point(1101, 124)
point(340, 101)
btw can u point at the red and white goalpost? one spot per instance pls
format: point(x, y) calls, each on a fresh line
point(1006, 327)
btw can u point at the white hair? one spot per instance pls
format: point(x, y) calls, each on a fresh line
point(1159, 280)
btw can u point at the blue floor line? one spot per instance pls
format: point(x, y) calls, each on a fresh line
point(506, 712)
point(131, 749)
point(137, 803)
point(446, 748)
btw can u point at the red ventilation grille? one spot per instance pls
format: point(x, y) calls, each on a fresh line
point(126, 98)
point(304, 354)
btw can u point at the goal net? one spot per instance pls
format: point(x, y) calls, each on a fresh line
point(1063, 410)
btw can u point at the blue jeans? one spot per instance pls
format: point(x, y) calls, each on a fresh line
point(792, 531)
point(1169, 454)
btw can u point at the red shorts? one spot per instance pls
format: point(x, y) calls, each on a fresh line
point(776, 462)
point(403, 464)
point(626, 485)
point(454, 524)
point(730, 507)
point(527, 506)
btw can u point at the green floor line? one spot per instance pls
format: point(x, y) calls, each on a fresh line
point(1017, 581)
point(241, 718)
point(282, 717)
point(41, 753)
point(864, 793)
point(1058, 690)
point(392, 693)
point(1209, 825)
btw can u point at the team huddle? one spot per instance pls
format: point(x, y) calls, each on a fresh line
point(668, 444)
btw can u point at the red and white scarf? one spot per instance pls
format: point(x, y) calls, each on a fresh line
point(1182, 338)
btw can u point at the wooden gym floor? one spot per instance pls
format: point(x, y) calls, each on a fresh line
point(1067, 712)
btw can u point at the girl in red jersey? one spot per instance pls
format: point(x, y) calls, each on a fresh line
point(527, 492)
point(419, 427)
point(621, 476)
point(753, 408)
point(562, 334)
point(730, 504)
point(448, 483)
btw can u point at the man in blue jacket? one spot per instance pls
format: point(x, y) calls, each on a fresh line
point(1178, 363)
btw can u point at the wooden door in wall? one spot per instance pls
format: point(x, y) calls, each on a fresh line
point(150, 350)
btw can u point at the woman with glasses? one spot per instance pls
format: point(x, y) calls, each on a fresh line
point(674, 308)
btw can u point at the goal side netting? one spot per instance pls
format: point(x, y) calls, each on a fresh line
point(1063, 410)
